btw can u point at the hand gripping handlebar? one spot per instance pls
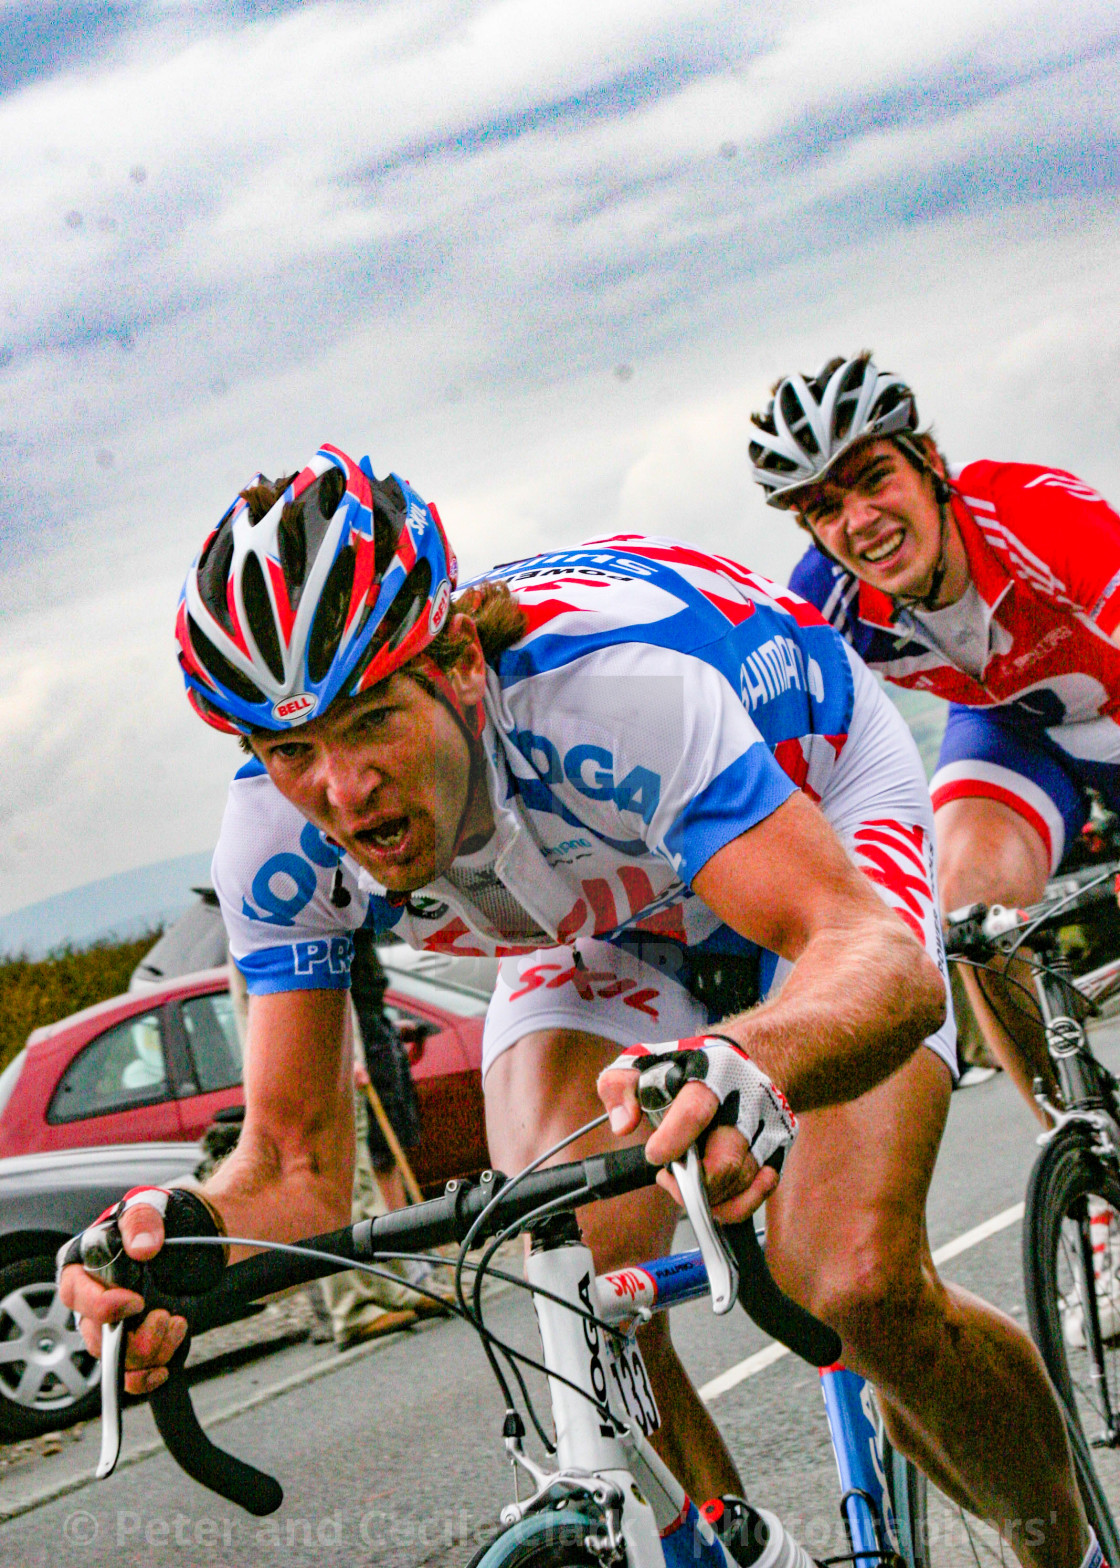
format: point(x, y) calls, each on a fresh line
point(443, 1220)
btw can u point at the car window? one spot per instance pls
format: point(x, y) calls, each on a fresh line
point(123, 1067)
point(215, 1046)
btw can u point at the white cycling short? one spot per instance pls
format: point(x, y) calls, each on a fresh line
point(877, 800)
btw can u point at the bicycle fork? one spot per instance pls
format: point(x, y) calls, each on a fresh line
point(1079, 1080)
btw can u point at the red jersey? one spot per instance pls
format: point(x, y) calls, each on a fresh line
point(1044, 555)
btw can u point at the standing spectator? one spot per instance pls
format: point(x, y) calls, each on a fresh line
point(387, 1064)
point(364, 1306)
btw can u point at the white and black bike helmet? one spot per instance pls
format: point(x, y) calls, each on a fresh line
point(812, 421)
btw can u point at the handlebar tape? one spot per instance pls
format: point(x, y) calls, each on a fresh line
point(193, 1451)
point(771, 1309)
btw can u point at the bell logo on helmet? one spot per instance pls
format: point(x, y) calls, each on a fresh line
point(441, 603)
point(294, 710)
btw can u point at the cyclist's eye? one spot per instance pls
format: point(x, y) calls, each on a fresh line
point(288, 751)
point(374, 721)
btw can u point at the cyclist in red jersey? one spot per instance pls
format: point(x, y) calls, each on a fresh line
point(998, 588)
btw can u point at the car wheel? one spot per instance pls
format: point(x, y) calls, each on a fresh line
point(48, 1379)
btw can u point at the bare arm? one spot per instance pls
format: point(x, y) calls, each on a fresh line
point(862, 994)
point(289, 1176)
point(861, 997)
point(291, 1172)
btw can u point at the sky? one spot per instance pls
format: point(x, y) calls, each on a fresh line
point(543, 259)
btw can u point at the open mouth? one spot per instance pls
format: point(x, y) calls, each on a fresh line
point(386, 837)
point(885, 550)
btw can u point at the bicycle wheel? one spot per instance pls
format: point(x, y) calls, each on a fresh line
point(1072, 1319)
point(934, 1532)
point(547, 1540)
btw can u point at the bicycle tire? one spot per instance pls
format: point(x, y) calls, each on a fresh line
point(546, 1540)
point(1066, 1173)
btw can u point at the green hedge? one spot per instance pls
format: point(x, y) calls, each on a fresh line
point(40, 992)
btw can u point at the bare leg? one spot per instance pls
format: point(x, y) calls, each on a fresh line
point(536, 1093)
point(963, 1390)
point(989, 853)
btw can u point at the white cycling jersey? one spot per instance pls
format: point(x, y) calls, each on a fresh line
point(662, 702)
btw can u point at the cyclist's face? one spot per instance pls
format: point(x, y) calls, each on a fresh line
point(878, 516)
point(386, 775)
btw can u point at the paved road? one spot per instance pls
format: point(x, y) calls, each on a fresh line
point(394, 1456)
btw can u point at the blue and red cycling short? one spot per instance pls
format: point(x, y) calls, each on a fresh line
point(992, 753)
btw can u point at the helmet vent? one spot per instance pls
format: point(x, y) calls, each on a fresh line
point(330, 617)
point(258, 612)
point(406, 607)
point(293, 552)
point(213, 572)
point(225, 673)
point(389, 508)
point(794, 416)
point(847, 399)
point(332, 487)
point(401, 615)
point(304, 524)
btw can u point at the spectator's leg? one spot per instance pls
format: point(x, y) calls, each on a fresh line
point(357, 1301)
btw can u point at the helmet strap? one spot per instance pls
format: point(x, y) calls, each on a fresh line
point(942, 494)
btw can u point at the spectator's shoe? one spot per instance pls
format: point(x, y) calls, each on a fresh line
point(974, 1075)
point(1104, 1230)
point(427, 1308)
point(385, 1323)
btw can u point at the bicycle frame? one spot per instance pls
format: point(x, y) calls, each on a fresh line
point(1082, 1085)
point(645, 1510)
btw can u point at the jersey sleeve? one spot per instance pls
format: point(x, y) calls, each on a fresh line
point(272, 872)
point(1063, 537)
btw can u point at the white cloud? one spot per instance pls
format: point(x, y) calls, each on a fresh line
point(434, 231)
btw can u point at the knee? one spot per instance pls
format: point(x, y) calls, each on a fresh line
point(988, 853)
point(874, 1296)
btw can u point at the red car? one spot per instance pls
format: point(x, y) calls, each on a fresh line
point(157, 1065)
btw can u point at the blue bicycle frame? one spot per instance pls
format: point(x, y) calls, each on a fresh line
point(849, 1403)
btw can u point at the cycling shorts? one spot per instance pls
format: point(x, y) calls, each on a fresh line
point(987, 753)
point(878, 803)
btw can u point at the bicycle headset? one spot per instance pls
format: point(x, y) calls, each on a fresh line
point(811, 422)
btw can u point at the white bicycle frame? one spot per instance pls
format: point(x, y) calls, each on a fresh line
point(609, 1461)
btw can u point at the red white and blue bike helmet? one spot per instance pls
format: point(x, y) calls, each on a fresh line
point(810, 423)
point(343, 581)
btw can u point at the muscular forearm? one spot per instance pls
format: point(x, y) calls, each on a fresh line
point(857, 1003)
point(261, 1190)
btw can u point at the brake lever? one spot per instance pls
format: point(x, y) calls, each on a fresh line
point(723, 1271)
point(112, 1395)
point(103, 1255)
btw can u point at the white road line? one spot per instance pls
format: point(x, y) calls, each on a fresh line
point(774, 1352)
point(979, 1233)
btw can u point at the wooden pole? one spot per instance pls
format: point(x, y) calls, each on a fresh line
point(412, 1186)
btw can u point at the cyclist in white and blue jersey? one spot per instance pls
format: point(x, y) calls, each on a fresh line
point(657, 786)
